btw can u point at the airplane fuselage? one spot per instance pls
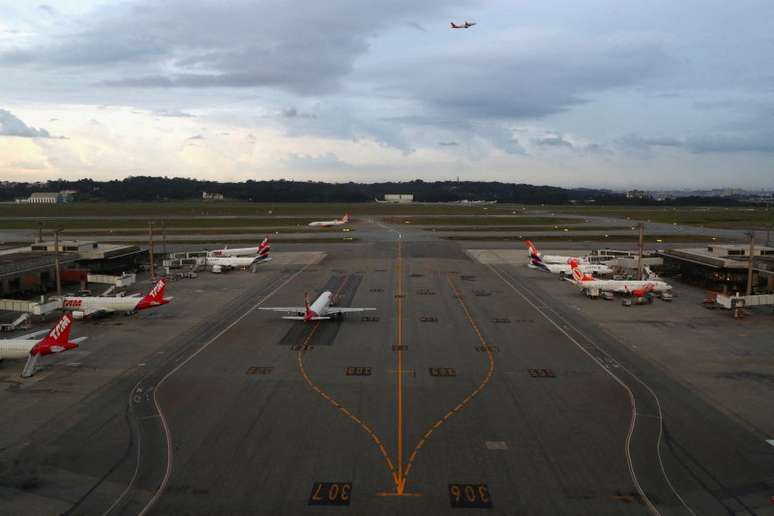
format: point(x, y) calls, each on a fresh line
point(625, 286)
point(95, 304)
point(16, 348)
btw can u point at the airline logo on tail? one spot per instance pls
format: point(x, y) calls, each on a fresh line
point(533, 252)
point(57, 339)
point(577, 274)
point(155, 297)
point(309, 313)
point(264, 248)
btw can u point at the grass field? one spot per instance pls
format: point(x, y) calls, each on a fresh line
point(259, 231)
point(237, 209)
point(482, 221)
point(714, 217)
point(142, 225)
point(651, 239)
point(492, 229)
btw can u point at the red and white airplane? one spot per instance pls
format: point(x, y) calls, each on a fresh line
point(56, 341)
point(549, 258)
point(329, 223)
point(465, 25)
point(82, 307)
point(637, 288)
point(320, 310)
point(262, 251)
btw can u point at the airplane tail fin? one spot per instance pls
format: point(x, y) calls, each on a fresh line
point(155, 297)
point(264, 248)
point(346, 217)
point(309, 314)
point(57, 341)
point(532, 249)
point(577, 274)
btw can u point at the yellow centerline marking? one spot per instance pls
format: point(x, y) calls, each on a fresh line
point(343, 411)
point(400, 483)
point(468, 398)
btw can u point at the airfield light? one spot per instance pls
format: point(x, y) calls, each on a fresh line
point(658, 240)
point(565, 229)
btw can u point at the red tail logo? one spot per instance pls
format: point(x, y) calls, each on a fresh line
point(155, 297)
point(57, 339)
point(532, 249)
point(308, 314)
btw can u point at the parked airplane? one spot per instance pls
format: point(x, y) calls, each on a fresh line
point(56, 341)
point(329, 223)
point(262, 251)
point(321, 309)
point(549, 258)
point(465, 25)
point(565, 269)
point(221, 263)
point(637, 288)
point(100, 305)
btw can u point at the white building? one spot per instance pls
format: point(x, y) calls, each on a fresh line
point(208, 196)
point(43, 198)
point(399, 198)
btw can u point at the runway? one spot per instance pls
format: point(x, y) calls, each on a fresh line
point(470, 387)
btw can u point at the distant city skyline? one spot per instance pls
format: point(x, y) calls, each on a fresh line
point(601, 94)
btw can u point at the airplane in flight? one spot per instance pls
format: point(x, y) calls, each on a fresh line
point(549, 258)
point(82, 307)
point(565, 269)
point(329, 223)
point(57, 341)
point(262, 251)
point(322, 309)
point(637, 288)
point(465, 25)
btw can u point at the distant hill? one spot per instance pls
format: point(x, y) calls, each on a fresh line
point(143, 188)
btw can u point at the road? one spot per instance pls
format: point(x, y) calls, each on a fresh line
point(471, 386)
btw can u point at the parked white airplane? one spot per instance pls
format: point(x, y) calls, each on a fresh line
point(100, 305)
point(262, 251)
point(329, 223)
point(549, 258)
point(219, 263)
point(637, 288)
point(321, 309)
point(565, 269)
point(26, 346)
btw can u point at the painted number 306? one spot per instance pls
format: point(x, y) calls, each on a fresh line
point(465, 496)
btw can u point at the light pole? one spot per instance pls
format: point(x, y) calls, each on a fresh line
point(56, 262)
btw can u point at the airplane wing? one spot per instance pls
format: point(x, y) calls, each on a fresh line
point(286, 309)
point(34, 334)
point(302, 318)
point(99, 312)
point(333, 310)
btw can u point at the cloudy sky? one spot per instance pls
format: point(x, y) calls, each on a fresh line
point(614, 93)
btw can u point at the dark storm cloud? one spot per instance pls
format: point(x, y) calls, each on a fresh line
point(178, 43)
point(292, 112)
point(488, 83)
point(712, 143)
point(10, 125)
point(553, 140)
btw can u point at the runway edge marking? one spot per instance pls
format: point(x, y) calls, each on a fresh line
point(165, 426)
point(623, 384)
point(466, 401)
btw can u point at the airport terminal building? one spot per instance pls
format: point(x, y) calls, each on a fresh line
point(722, 268)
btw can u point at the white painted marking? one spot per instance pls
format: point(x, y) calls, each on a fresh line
point(496, 445)
point(633, 403)
point(164, 425)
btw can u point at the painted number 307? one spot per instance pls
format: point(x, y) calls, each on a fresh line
point(464, 496)
point(330, 493)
